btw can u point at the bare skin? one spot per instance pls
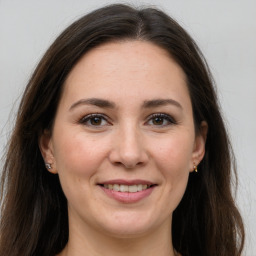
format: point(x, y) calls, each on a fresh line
point(125, 114)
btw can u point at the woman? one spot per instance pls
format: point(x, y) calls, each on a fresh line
point(119, 147)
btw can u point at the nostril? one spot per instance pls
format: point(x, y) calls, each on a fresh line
point(117, 163)
point(132, 165)
point(128, 165)
point(128, 157)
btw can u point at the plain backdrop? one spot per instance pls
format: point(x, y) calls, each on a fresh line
point(225, 30)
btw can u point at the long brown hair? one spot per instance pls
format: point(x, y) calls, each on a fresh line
point(33, 207)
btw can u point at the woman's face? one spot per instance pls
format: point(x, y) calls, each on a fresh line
point(123, 141)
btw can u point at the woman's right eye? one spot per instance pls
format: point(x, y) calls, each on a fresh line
point(95, 120)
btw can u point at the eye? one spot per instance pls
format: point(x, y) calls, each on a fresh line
point(94, 120)
point(160, 119)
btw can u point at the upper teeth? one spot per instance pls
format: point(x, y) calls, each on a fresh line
point(126, 188)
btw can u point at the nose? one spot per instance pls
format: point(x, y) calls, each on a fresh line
point(128, 149)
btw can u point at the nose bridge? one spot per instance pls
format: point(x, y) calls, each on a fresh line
point(129, 147)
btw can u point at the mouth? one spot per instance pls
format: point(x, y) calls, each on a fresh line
point(127, 188)
point(127, 191)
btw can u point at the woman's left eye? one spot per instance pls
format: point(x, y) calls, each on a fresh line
point(160, 120)
point(94, 120)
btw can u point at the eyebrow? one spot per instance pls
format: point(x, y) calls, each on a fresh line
point(95, 102)
point(160, 102)
point(109, 104)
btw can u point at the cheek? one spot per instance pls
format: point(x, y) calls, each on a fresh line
point(173, 157)
point(78, 155)
point(174, 153)
point(78, 159)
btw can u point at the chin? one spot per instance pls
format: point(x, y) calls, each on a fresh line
point(127, 231)
point(129, 225)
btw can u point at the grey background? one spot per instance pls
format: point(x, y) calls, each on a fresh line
point(224, 29)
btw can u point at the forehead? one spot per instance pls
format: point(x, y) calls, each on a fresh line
point(126, 68)
point(133, 55)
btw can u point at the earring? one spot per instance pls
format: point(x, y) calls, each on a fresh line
point(195, 167)
point(48, 166)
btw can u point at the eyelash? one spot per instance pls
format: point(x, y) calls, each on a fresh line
point(162, 116)
point(90, 117)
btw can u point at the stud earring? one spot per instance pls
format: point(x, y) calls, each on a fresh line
point(195, 168)
point(48, 166)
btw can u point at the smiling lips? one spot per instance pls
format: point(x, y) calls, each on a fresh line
point(127, 191)
point(126, 188)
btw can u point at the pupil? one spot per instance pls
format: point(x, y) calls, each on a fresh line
point(96, 121)
point(158, 120)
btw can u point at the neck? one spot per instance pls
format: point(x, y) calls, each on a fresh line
point(89, 241)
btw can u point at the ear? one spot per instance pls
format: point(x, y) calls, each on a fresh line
point(46, 148)
point(199, 145)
